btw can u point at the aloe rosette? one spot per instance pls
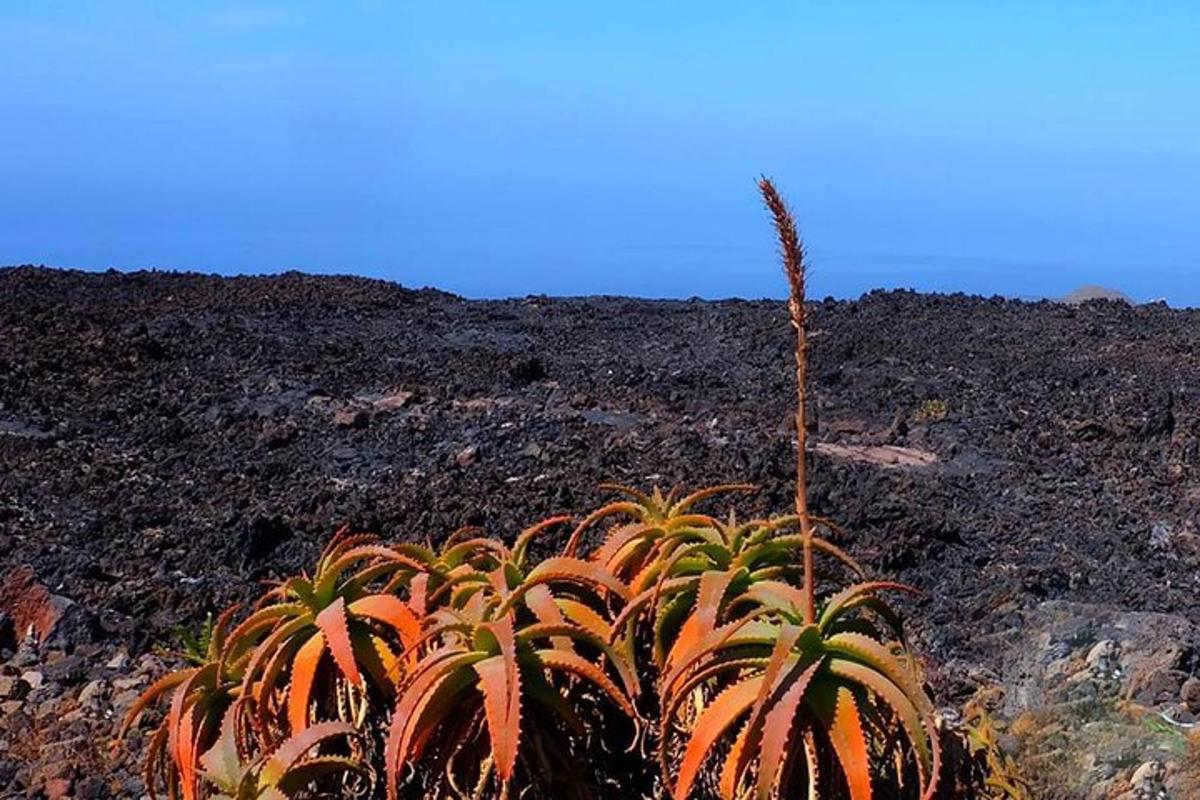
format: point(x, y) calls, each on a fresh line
point(337, 626)
point(505, 647)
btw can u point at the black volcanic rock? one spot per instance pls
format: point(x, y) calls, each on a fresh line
point(168, 440)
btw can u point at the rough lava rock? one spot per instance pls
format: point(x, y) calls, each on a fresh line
point(30, 609)
point(170, 441)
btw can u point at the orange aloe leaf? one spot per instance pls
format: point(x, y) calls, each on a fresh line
point(332, 622)
point(410, 718)
point(732, 771)
point(836, 603)
point(682, 692)
point(440, 704)
point(586, 617)
point(541, 602)
point(742, 754)
point(866, 650)
point(721, 714)
point(498, 579)
point(493, 683)
point(639, 603)
point(292, 750)
point(777, 596)
point(648, 572)
point(264, 690)
point(419, 594)
point(207, 716)
point(269, 646)
point(300, 776)
point(500, 683)
point(195, 728)
point(333, 571)
point(354, 585)
point(391, 611)
point(745, 631)
point(156, 690)
point(574, 570)
point(529, 534)
point(568, 631)
point(342, 538)
point(304, 673)
point(456, 555)
point(645, 501)
point(928, 762)
point(577, 665)
point(263, 618)
point(220, 630)
point(619, 507)
point(456, 577)
point(155, 759)
point(667, 573)
point(703, 620)
point(703, 494)
point(849, 743)
point(813, 765)
point(184, 755)
point(777, 731)
point(616, 540)
point(179, 722)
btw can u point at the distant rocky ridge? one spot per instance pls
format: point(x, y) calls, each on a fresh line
point(1091, 291)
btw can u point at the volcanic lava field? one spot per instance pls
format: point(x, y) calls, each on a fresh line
point(168, 442)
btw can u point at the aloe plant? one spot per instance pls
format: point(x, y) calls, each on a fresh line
point(794, 679)
point(500, 674)
point(336, 624)
point(199, 695)
point(289, 770)
point(505, 644)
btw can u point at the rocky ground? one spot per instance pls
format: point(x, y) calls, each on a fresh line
point(167, 442)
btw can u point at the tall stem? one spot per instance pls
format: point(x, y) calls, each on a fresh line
point(791, 250)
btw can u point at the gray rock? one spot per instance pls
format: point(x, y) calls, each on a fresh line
point(74, 625)
point(1075, 666)
point(120, 661)
point(125, 684)
point(1161, 536)
point(123, 700)
point(1103, 652)
point(26, 655)
point(351, 417)
point(13, 688)
point(68, 670)
point(1147, 779)
point(93, 694)
point(91, 788)
point(1189, 694)
point(467, 456)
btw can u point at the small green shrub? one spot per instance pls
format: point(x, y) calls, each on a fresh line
point(932, 411)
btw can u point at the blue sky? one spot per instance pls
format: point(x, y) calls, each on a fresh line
point(504, 148)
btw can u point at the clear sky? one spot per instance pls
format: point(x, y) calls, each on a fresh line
point(504, 148)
